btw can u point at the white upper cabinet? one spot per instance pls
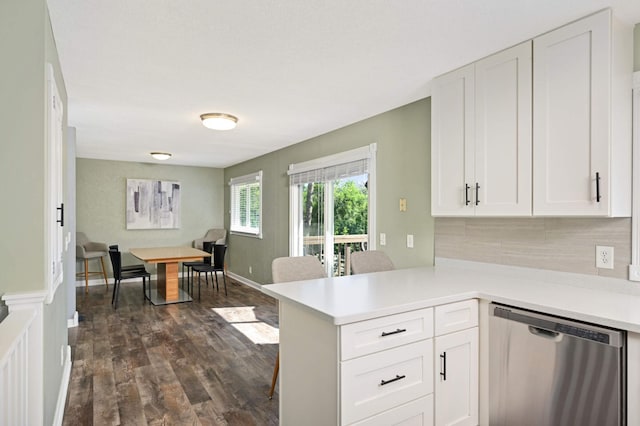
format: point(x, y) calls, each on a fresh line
point(582, 119)
point(481, 137)
point(452, 143)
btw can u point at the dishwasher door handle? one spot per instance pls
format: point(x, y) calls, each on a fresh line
point(546, 334)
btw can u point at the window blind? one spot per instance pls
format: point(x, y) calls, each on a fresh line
point(334, 172)
point(246, 204)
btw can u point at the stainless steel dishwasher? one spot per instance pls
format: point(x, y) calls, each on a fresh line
point(551, 371)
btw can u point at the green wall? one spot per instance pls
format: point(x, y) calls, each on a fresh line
point(101, 200)
point(26, 46)
point(403, 139)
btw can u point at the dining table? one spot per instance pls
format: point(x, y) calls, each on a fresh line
point(167, 260)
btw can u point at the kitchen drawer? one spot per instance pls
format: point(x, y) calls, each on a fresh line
point(366, 337)
point(456, 316)
point(384, 380)
point(414, 413)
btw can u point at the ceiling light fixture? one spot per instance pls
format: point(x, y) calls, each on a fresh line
point(219, 121)
point(161, 155)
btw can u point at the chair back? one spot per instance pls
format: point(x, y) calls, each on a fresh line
point(363, 262)
point(114, 247)
point(208, 247)
point(116, 263)
point(219, 251)
point(81, 239)
point(296, 268)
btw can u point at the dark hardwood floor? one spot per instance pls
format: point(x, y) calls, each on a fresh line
point(181, 364)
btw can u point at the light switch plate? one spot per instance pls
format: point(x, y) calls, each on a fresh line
point(409, 240)
point(383, 239)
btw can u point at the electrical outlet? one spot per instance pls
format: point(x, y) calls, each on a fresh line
point(383, 239)
point(250, 270)
point(604, 257)
point(403, 204)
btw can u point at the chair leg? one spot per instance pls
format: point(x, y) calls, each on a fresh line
point(224, 280)
point(216, 274)
point(113, 296)
point(116, 291)
point(276, 368)
point(86, 275)
point(104, 272)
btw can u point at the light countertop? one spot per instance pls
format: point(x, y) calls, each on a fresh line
point(343, 300)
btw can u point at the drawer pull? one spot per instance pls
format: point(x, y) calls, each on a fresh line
point(443, 373)
point(389, 333)
point(395, 379)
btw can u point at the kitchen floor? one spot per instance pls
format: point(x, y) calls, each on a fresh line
point(207, 362)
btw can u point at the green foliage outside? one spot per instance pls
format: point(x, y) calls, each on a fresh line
point(350, 209)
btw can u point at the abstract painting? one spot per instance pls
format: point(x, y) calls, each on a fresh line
point(153, 204)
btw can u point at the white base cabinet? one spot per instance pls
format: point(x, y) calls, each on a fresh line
point(457, 373)
point(379, 371)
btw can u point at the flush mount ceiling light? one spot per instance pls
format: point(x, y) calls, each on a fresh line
point(161, 155)
point(219, 121)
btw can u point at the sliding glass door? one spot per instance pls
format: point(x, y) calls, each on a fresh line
point(330, 213)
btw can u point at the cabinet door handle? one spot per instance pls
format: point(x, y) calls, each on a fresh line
point(598, 187)
point(61, 210)
point(466, 194)
point(395, 379)
point(389, 333)
point(443, 366)
point(477, 193)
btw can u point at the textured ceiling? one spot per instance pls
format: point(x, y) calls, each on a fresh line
point(139, 73)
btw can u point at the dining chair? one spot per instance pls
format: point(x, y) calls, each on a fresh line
point(363, 262)
point(206, 246)
point(296, 268)
point(217, 265)
point(119, 275)
point(89, 250)
point(126, 268)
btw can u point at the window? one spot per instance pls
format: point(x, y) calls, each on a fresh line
point(246, 204)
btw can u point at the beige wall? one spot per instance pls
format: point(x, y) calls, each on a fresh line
point(101, 200)
point(403, 139)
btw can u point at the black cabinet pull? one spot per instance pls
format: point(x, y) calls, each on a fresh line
point(389, 333)
point(466, 194)
point(395, 379)
point(477, 193)
point(443, 373)
point(61, 210)
point(598, 187)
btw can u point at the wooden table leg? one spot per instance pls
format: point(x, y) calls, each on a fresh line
point(168, 280)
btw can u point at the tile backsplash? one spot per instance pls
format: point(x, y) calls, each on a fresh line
point(559, 244)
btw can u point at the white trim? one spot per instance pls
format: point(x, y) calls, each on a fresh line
point(64, 386)
point(245, 281)
point(32, 301)
point(634, 268)
point(73, 322)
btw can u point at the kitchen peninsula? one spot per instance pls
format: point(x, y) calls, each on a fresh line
point(316, 317)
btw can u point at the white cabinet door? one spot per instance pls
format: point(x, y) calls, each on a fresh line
point(481, 137)
point(452, 152)
point(503, 133)
point(572, 142)
point(456, 378)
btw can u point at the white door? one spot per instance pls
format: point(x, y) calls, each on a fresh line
point(503, 133)
point(571, 116)
point(456, 378)
point(54, 216)
point(452, 144)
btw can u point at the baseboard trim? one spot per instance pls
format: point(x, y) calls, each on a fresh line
point(64, 386)
point(245, 281)
point(73, 322)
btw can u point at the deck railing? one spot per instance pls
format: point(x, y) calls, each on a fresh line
point(345, 245)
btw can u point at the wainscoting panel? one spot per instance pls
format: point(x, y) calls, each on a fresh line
point(559, 244)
